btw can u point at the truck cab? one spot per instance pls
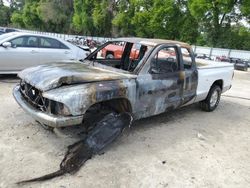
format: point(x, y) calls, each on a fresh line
point(163, 76)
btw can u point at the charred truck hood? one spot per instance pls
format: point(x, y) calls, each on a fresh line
point(47, 77)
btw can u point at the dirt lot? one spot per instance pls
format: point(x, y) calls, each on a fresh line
point(184, 148)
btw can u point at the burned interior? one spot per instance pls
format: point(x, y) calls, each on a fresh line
point(120, 54)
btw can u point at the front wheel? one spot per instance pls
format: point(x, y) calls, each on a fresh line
point(212, 100)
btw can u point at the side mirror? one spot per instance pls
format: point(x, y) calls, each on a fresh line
point(6, 44)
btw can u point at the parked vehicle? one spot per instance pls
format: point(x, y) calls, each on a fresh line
point(21, 50)
point(234, 60)
point(248, 62)
point(115, 51)
point(7, 30)
point(223, 59)
point(241, 65)
point(164, 76)
point(203, 56)
point(82, 41)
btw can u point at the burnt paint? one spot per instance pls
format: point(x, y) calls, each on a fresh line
point(81, 86)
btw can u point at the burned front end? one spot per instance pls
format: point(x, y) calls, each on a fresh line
point(46, 111)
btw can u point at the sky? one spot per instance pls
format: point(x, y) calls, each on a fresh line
point(6, 3)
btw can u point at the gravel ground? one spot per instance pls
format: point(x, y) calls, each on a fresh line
point(183, 148)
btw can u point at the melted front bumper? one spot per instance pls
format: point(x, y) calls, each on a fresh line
point(43, 117)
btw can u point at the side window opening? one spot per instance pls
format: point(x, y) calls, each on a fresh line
point(51, 43)
point(120, 54)
point(17, 42)
point(187, 59)
point(25, 41)
point(32, 42)
point(165, 61)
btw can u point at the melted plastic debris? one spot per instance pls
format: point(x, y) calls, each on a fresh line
point(104, 133)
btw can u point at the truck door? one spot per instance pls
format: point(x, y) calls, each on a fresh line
point(159, 87)
point(190, 75)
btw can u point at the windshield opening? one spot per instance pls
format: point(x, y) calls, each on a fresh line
point(119, 54)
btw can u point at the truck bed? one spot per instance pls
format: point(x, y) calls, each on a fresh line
point(210, 71)
point(208, 64)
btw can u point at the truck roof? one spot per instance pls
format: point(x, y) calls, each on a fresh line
point(152, 42)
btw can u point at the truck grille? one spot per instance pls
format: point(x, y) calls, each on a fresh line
point(33, 96)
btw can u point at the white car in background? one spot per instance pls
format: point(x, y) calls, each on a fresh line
point(21, 50)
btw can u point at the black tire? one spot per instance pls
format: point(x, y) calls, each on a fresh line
point(212, 100)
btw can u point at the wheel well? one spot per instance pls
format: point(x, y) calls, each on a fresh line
point(218, 83)
point(119, 105)
point(109, 52)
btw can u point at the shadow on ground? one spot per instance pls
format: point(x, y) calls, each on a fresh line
point(9, 78)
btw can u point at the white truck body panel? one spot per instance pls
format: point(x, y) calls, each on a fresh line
point(208, 73)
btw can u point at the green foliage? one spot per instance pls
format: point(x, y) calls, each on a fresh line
point(214, 23)
point(4, 14)
point(217, 16)
point(82, 19)
point(56, 15)
point(122, 20)
point(49, 15)
point(102, 17)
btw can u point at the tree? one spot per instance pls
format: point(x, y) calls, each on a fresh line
point(82, 19)
point(122, 20)
point(27, 16)
point(205, 22)
point(56, 15)
point(167, 19)
point(4, 14)
point(217, 16)
point(16, 17)
point(245, 9)
point(103, 13)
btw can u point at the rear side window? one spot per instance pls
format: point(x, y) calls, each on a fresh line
point(187, 58)
point(52, 43)
point(25, 41)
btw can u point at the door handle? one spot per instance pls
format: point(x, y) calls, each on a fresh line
point(66, 52)
point(34, 51)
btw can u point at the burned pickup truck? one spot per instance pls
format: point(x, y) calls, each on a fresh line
point(163, 76)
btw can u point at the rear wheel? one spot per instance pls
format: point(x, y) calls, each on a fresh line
point(212, 100)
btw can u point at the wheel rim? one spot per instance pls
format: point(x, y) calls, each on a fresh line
point(109, 56)
point(214, 98)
